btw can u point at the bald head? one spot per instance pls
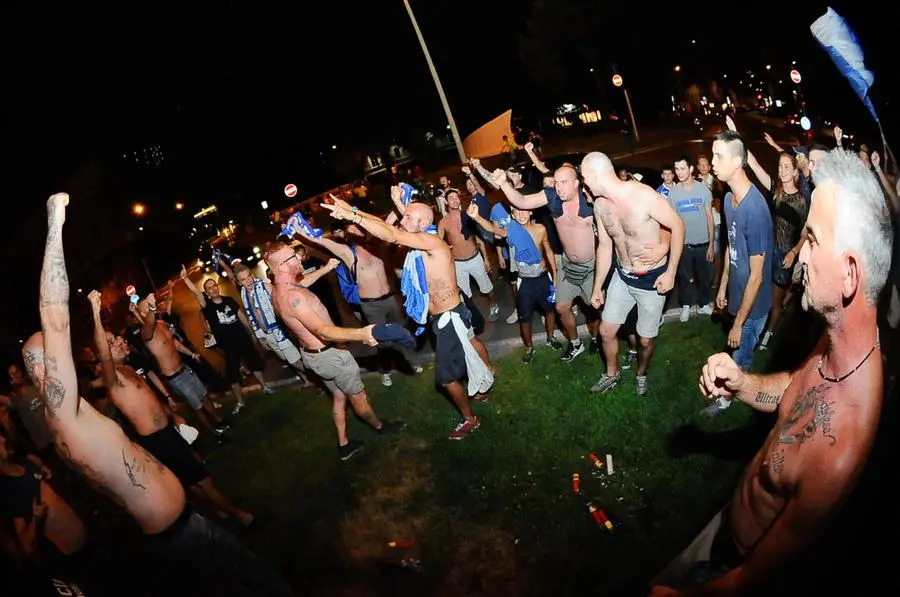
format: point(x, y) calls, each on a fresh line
point(597, 171)
point(417, 218)
point(33, 356)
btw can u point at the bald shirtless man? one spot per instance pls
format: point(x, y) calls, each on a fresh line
point(308, 319)
point(828, 409)
point(629, 215)
point(574, 219)
point(450, 319)
point(165, 348)
point(130, 393)
point(468, 250)
point(98, 449)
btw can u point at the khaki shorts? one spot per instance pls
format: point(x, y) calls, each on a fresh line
point(621, 298)
point(284, 350)
point(337, 368)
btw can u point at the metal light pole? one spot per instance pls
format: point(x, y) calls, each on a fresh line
point(437, 83)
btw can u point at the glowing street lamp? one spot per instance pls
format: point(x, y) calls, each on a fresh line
point(179, 206)
point(138, 209)
point(677, 68)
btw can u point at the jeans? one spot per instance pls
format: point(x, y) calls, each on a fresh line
point(750, 332)
point(693, 259)
point(217, 555)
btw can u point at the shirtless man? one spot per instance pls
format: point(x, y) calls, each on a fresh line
point(450, 319)
point(180, 377)
point(575, 223)
point(468, 250)
point(828, 409)
point(308, 319)
point(98, 449)
point(155, 432)
point(377, 300)
point(629, 215)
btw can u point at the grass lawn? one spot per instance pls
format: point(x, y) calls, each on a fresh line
point(495, 513)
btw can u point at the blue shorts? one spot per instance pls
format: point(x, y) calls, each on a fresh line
point(532, 295)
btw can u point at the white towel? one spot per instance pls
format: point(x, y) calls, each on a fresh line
point(189, 433)
point(480, 377)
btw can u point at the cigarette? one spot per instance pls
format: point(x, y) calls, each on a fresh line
point(609, 466)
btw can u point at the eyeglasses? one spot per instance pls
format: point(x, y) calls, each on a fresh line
point(294, 256)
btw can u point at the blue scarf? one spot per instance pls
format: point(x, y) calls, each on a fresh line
point(262, 300)
point(517, 236)
point(347, 280)
point(414, 286)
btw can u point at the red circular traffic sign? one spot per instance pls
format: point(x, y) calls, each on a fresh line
point(290, 190)
point(795, 76)
point(129, 290)
point(617, 80)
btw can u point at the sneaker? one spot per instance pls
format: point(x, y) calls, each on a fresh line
point(594, 347)
point(216, 404)
point(347, 451)
point(513, 317)
point(529, 355)
point(573, 351)
point(391, 427)
point(575, 310)
point(481, 398)
point(417, 370)
point(221, 429)
point(628, 359)
point(464, 428)
point(386, 380)
point(706, 309)
point(716, 407)
point(554, 344)
point(640, 384)
point(495, 313)
point(685, 313)
point(237, 407)
point(764, 343)
point(606, 383)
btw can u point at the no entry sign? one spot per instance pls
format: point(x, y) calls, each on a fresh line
point(129, 290)
point(290, 190)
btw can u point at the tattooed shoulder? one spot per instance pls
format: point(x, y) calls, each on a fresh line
point(810, 416)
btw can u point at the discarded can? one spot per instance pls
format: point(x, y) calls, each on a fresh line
point(401, 543)
point(600, 516)
point(596, 461)
point(576, 483)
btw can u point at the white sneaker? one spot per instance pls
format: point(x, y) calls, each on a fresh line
point(418, 370)
point(705, 310)
point(764, 343)
point(237, 407)
point(513, 317)
point(386, 380)
point(685, 313)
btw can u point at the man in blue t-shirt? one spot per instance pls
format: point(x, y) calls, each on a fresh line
point(746, 275)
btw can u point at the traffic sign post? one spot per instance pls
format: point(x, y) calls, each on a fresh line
point(618, 82)
point(795, 76)
point(290, 190)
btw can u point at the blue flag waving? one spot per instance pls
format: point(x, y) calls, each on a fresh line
point(837, 38)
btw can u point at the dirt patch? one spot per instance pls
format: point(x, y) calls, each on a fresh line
point(482, 562)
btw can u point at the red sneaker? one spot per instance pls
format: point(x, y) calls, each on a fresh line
point(464, 428)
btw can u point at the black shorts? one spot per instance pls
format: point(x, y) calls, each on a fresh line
point(238, 346)
point(532, 295)
point(169, 447)
point(449, 357)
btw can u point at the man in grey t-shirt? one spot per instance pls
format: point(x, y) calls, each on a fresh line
point(26, 402)
point(692, 201)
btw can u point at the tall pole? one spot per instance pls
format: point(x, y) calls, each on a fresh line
point(637, 137)
point(437, 83)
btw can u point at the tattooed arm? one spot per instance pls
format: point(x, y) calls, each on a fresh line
point(110, 378)
point(60, 381)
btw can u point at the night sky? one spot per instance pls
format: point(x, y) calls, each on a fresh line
point(247, 94)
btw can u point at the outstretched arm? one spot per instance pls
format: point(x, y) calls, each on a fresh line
point(60, 389)
point(110, 379)
point(187, 281)
point(379, 229)
point(308, 280)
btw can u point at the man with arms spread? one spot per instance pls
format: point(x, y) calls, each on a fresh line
point(828, 409)
point(307, 317)
point(450, 319)
point(98, 449)
point(575, 223)
point(155, 432)
point(629, 215)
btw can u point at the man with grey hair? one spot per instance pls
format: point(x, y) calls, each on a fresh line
point(828, 409)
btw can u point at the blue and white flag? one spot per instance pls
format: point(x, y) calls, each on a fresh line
point(837, 38)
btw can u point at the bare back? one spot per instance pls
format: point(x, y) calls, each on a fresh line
point(450, 230)
point(299, 308)
point(162, 347)
point(99, 450)
point(576, 233)
point(370, 274)
point(823, 436)
point(627, 220)
point(440, 272)
point(138, 403)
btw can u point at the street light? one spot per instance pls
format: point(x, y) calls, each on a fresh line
point(677, 68)
point(179, 206)
point(437, 83)
point(768, 67)
point(138, 209)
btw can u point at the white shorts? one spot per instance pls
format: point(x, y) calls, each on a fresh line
point(474, 267)
point(284, 350)
point(621, 298)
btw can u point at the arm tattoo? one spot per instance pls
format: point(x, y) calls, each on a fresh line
point(130, 470)
point(764, 398)
point(295, 303)
point(778, 461)
point(54, 280)
point(810, 413)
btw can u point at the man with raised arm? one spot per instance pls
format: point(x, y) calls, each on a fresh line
point(429, 284)
point(828, 409)
point(99, 450)
point(308, 319)
point(155, 432)
point(629, 219)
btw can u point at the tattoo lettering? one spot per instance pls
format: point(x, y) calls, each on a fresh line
point(764, 398)
point(130, 470)
point(778, 461)
point(810, 413)
point(441, 290)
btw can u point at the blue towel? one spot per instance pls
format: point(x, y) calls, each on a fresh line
point(347, 280)
point(517, 236)
point(414, 286)
point(393, 333)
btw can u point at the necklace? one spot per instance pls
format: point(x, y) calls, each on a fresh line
point(852, 371)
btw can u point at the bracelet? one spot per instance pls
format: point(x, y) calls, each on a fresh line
point(152, 309)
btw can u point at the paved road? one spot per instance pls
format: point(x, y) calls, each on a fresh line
point(499, 335)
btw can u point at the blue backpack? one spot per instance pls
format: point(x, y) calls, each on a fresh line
point(347, 280)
